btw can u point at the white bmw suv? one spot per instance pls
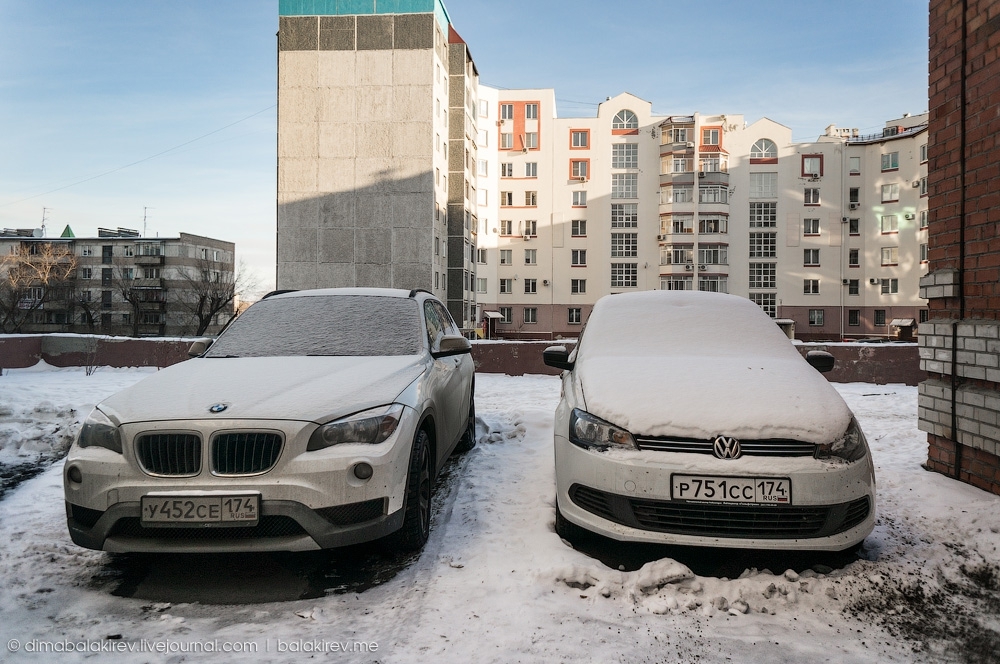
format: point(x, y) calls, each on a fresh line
point(318, 419)
point(689, 418)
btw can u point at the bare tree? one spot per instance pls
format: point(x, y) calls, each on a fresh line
point(209, 291)
point(34, 274)
point(123, 280)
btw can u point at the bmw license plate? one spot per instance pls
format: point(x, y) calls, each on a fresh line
point(710, 489)
point(222, 510)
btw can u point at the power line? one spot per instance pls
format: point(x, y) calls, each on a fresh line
point(144, 159)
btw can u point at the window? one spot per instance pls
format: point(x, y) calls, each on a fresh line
point(575, 316)
point(506, 170)
point(763, 215)
point(923, 186)
point(677, 135)
point(854, 317)
point(531, 257)
point(923, 153)
point(86, 296)
point(481, 256)
point(853, 287)
point(810, 257)
point(578, 228)
point(713, 194)
point(506, 198)
point(854, 165)
point(890, 161)
point(923, 253)
point(129, 251)
point(506, 111)
point(765, 301)
point(923, 219)
point(810, 226)
point(713, 224)
point(762, 245)
point(579, 257)
point(713, 162)
point(579, 199)
point(762, 275)
point(624, 245)
point(107, 252)
point(890, 286)
point(484, 106)
point(531, 314)
point(579, 168)
point(579, 138)
point(890, 255)
point(624, 275)
point(676, 283)
point(506, 141)
point(625, 119)
point(713, 254)
point(678, 223)
point(531, 198)
point(681, 165)
point(106, 276)
point(530, 286)
point(709, 136)
point(810, 286)
point(880, 317)
point(924, 316)
point(812, 166)
point(506, 286)
point(577, 286)
point(890, 223)
point(854, 226)
point(890, 193)
point(765, 148)
point(531, 169)
point(87, 273)
point(676, 194)
point(204, 254)
point(853, 195)
point(506, 228)
point(150, 273)
point(672, 254)
point(86, 250)
point(853, 258)
point(816, 317)
point(624, 185)
point(625, 155)
point(763, 185)
point(713, 284)
point(531, 140)
point(811, 196)
point(530, 228)
point(531, 111)
point(506, 314)
point(624, 215)
point(480, 284)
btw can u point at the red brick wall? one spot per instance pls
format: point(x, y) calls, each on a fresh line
point(979, 468)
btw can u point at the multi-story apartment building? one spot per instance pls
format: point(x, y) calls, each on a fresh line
point(122, 283)
point(377, 155)
point(828, 235)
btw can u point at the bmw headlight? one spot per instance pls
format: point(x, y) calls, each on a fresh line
point(99, 431)
point(588, 431)
point(371, 426)
point(849, 447)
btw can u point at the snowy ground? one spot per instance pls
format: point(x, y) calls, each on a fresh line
point(494, 583)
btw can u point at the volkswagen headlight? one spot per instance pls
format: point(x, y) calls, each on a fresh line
point(371, 426)
point(588, 431)
point(99, 431)
point(849, 447)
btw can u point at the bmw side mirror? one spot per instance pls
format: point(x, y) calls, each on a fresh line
point(558, 357)
point(452, 344)
point(821, 360)
point(199, 347)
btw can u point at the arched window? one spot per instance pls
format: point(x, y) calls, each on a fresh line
point(625, 119)
point(764, 149)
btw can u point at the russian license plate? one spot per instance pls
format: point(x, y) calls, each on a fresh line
point(236, 510)
point(709, 489)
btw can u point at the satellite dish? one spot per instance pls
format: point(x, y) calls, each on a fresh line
point(36, 232)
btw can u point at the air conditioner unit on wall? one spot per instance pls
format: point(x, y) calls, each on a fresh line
point(689, 268)
point(908, 215)
point(701, 174)
point(661, 238)
point(916, 183)
point(854, 206)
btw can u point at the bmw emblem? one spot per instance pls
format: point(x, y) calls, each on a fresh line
point(218, 408)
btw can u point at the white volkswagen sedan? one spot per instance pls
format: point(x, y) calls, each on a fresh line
point(318, 419)
point(689, 418)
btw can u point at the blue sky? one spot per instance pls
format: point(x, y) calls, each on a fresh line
point(108, 107)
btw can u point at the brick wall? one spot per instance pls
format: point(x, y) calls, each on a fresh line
point(960, 401)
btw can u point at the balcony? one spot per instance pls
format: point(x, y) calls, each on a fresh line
point(149, 259)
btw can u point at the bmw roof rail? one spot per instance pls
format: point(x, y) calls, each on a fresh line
point(279, 292)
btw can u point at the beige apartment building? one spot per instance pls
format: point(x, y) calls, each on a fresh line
point(828, 236)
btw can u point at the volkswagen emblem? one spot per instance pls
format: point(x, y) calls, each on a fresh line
point(726, 447)
point(218, 408)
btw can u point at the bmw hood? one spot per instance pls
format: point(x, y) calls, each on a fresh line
point(702, 397)
point(273, 388)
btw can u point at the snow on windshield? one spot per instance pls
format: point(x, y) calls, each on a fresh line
point(324, 325)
